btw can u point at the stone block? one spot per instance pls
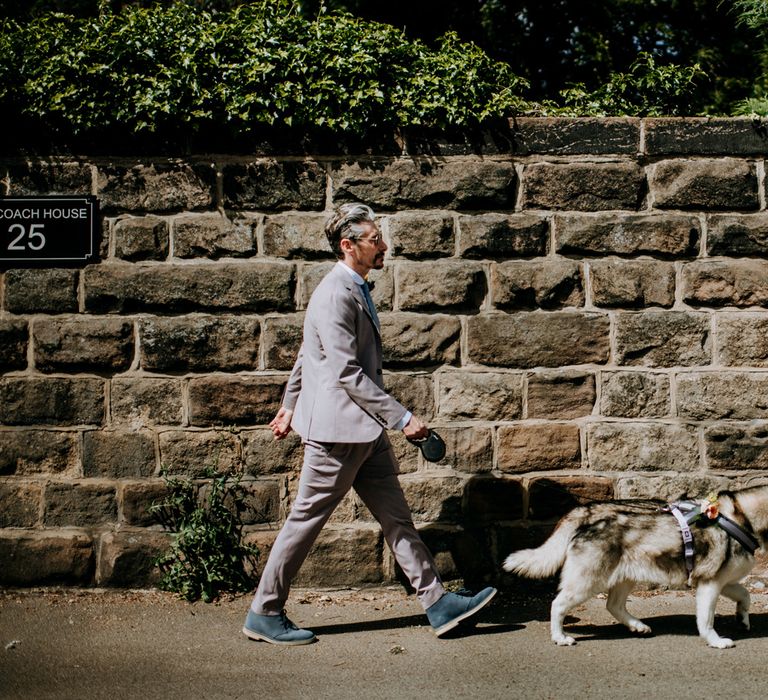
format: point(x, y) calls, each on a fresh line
point(490, 396)
point(441, 286)
point(199, 343)
point(343, 556)
point(47, 177)
point(20, 503)
point(535, 339)
point(726, 283)
point(382, 288)
point(608, 233)
point(127, 288)
point(737, 446)
point(222, 400)
point(459, 554)
point(79, 504)
point(632, 283)
point(262, 501)
point(83, 344)
point(551, 498)
point(311, 276)
point(663, 338)
point(140, 238)
point(742, 339)
point(560, 395)
point(721, 136)
point(262, 454)
point(422, 236)
point(635, 395)
point(28, 452)
point(434, 496)
point(467, 449)
point(543, 284)
point(498, 236)
point(143, 401)
point(527, 447)
point(135, 499)
point(212, 236)
point(46, 558)
point(41, 291)
point(583, 186)
point(704, 183)
point(669, 487)
point(465, 183)
point(127, 558)
point(13, 344)
point(489, 500)
point(583, 135)
point(718, 395)
point(629, 447)
point(407, 455)
point(414, 391)
point(272, 185)
point(412, 339)
point(263, 540)
point(297, 236)
point(51, 401)
point(194, 453)
point(118, 455)
point(738, 235)
point(282, 340)
point(156, 187)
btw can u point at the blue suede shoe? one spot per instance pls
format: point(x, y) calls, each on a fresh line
point(275, 629)
point(452, 609)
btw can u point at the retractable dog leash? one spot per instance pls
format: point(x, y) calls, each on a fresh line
point(432, 446)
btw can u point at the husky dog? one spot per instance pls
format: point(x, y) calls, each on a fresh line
point(613, 546)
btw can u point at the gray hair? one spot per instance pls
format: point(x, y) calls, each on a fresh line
point(347, 222)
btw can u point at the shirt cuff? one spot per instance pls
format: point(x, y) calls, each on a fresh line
point(404, 420)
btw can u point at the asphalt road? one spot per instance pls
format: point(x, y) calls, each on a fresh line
point(372, 644)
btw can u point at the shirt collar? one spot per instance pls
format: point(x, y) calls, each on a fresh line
point(358, 280)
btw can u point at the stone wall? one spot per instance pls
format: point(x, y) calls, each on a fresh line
point(579, 306)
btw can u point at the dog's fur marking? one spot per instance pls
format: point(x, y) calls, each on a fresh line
point(613, 546)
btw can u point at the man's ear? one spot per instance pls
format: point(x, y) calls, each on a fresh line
point(346, 245)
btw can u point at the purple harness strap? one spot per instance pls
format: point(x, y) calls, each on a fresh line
point(686, 512)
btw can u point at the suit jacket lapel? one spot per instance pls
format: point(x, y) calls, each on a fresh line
point(357, 293)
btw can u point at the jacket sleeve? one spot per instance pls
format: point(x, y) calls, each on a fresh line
point(293, 387)
point(339, 340)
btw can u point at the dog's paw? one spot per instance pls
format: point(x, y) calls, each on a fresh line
point(564, 641)
point(743, 620)
point(721, 643)
point(639, 627)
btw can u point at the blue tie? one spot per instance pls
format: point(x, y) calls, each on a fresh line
point(369, 301)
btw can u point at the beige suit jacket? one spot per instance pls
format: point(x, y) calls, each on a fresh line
point(336, 388)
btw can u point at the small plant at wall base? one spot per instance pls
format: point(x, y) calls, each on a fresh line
point(207, 555)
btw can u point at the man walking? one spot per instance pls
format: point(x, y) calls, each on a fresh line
point(335, 400)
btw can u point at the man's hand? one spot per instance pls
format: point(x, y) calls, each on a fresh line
point(281, 423)
point(415, 429)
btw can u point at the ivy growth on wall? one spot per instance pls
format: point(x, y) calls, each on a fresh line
point(178, 69)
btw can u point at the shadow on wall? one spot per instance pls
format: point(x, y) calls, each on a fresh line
point(495, 517)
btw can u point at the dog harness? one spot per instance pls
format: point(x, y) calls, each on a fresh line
point(707, 511)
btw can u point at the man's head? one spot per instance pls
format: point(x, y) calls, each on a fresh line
point(355, 237)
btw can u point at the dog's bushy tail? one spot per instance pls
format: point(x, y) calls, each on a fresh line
point(547, 559)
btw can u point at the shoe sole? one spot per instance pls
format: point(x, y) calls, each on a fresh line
point(270, 640)
point(448, 626)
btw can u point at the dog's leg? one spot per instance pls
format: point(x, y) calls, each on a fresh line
point(740, 595)
point(617, 606)
point(561, 605)
point(707, 594)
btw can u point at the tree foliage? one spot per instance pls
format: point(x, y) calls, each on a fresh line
point(164, 68)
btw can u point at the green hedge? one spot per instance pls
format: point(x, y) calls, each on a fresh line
point(180, 70)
